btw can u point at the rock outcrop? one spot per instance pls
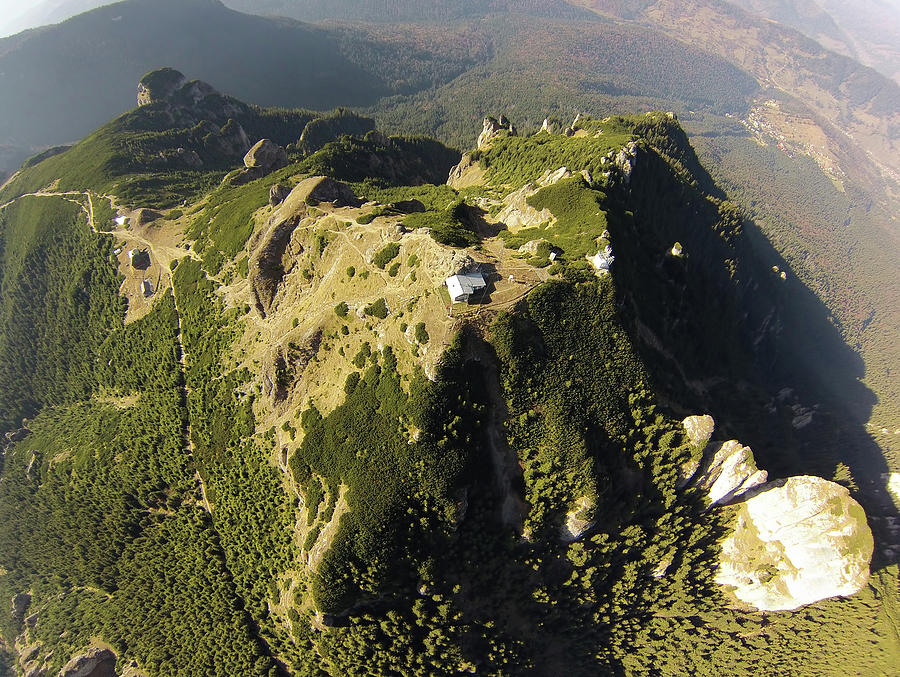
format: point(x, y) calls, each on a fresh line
point(20, 604)
point(262, 159)
point(266, 155)
point(17, 435)
point(796, 542)
point(493, 128)
point(159, 85)
point(724, 470)
point(517, 213)
point(551, 126)
point(626, 160)
point(894, 486)
point(214, 136)
point(466, 174)
point(578, 520)
point(278, 193)
point(728, 471)
point(95, 662)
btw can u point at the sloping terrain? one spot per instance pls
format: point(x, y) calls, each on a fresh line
point(302, 445)
point(759, 99)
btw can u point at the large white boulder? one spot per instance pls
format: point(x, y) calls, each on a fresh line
point(796, 542)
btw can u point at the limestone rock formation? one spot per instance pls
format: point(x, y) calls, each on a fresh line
point(215, 136)
point(517, 213)
point(626, 160)
point(17, 435)
point(265, 154)
point(578, 520)
point(532, 247)
point(699, 430)
point(727, 471)
point(724, 470)
point(894, 486)
point(493, 128)
point(551, 126)
point(20, 604)
point(95, 662)
point(796, 542)
point(159, 85)
point(466, 174)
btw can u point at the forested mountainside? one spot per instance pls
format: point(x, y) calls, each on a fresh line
point(61, 82)
point(390, 11)
point(827, 203)
point(250, 433)
point(762, 98)
point(866, 30)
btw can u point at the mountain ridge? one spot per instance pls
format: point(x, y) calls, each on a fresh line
point(352, 476)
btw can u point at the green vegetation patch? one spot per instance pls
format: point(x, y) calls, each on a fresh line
point(581, 220)
point(450, 226)
point(386, 254)
point(398, 487)
point(103, 213)
point(225, 223)
point(253, 514)
point(383, 162)
point(377, 309)
point(59, 301)
point(513, 161)
point(421, 333)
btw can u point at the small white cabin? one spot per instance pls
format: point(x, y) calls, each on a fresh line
point(463, 285)
point(121, 221)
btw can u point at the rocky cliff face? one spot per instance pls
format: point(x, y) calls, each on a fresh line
point(195, 104)
point(276, 245)
point(795, 541)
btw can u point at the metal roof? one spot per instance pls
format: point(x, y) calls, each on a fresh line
point(463, 285)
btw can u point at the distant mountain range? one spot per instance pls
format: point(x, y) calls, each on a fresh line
point(867, 30)
point(60, 82)
point(33, 15)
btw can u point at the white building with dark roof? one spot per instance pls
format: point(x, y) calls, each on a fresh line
point(463, 285)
